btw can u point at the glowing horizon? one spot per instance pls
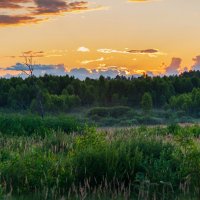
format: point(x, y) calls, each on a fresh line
point(134, 35)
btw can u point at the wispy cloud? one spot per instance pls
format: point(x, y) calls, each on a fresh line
point(33, 54)
point(40, 54)
point(134, 51)
point(108, 51)
point(18, 19)
point(145, 51)
point(85, 62)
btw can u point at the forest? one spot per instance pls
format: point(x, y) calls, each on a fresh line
point(62, 93)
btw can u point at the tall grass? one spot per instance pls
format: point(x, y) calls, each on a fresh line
point(16, 124)
point(141, 163)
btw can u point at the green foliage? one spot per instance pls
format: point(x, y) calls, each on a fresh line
point(64, 92)
point(188, 102)
point(146, 103)
point(173, 129)
point(36, 170)
point(56, 103)
point(29, 124)
point(190, 155)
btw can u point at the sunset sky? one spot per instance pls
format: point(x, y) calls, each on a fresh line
point(159, 36)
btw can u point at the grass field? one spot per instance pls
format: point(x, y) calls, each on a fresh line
point(133, 163)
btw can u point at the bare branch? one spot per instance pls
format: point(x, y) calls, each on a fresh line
point(25, 72)
point(29, 64)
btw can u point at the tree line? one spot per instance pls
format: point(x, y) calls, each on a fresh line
point(62, 93)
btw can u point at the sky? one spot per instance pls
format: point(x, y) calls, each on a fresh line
point(96, 36)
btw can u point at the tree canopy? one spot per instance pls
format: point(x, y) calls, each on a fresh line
point(61, 93)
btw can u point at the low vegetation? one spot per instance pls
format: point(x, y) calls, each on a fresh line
point(123, 116)
point(135, 163)
point(27, 125)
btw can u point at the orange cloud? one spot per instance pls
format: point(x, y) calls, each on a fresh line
point(37, 10)
point(44, 7)
point(17, 19)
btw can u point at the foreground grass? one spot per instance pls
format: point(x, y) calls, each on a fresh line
point(141, 163)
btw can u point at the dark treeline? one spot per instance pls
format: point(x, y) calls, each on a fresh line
point(60, 93)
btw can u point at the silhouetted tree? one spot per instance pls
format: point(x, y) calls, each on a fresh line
point(29, 72)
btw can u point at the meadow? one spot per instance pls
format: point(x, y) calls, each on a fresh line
point(124, 116)
point(76, 161)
